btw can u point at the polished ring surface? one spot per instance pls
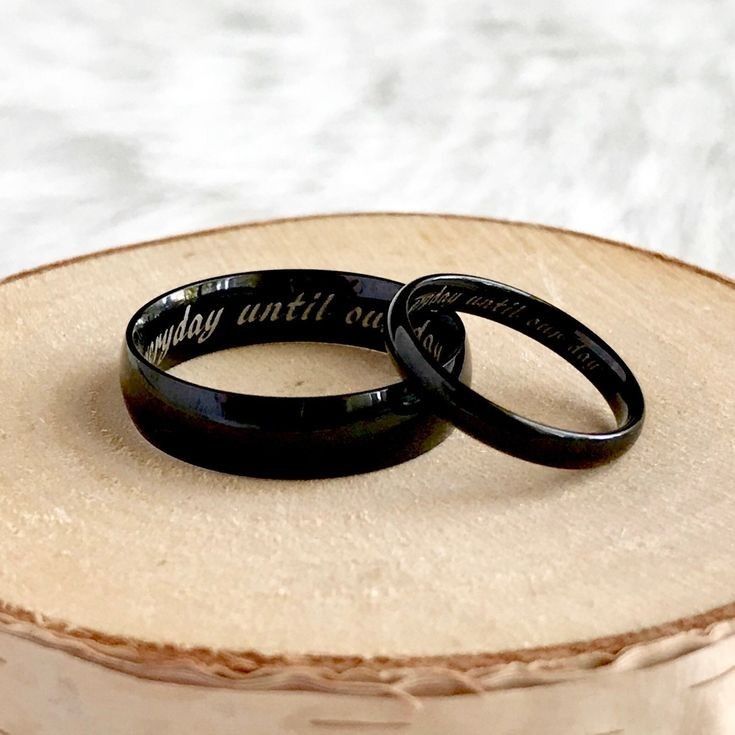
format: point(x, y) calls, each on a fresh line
point(273, 436)
point(474, 414)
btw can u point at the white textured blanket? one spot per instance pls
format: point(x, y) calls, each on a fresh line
point(123, 120)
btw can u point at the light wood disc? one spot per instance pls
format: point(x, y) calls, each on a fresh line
point(459, 558)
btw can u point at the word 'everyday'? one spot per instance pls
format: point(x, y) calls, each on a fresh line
point(199, 327)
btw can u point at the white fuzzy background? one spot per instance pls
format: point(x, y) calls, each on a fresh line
point(125, 120)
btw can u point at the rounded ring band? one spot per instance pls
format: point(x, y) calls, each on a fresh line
point(268, 436)
point(543, 322)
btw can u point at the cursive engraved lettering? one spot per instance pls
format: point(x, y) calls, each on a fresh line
point(199, 327)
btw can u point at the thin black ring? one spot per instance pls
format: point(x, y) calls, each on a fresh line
point(543, 322)
point(285, 437)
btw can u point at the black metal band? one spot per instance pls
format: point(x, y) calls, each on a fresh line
point(541, 321)
point(279, 436)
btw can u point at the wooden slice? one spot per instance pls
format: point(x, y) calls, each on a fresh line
point(563, 602)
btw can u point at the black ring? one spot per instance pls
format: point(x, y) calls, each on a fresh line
point(268, 436)
point(489, 422)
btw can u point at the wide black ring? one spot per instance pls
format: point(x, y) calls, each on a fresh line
point(268, 436)
point(489, 422)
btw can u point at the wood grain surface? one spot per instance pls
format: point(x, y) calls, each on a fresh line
point(465, 536)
